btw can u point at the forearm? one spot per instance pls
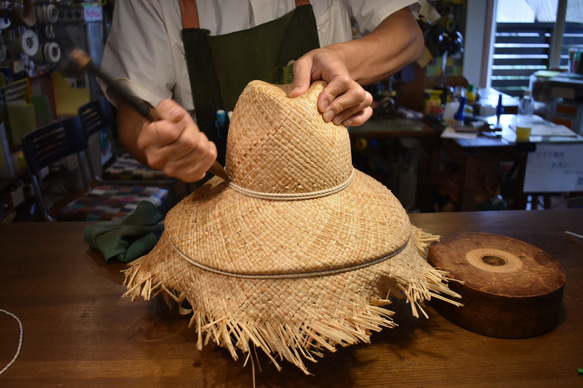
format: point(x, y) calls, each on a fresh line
point(395, 43)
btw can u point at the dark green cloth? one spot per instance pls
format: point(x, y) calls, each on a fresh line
point(128, 237)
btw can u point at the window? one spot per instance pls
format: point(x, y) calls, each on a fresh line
point(524, 40)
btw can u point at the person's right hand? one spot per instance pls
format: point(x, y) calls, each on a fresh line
point(175, 144)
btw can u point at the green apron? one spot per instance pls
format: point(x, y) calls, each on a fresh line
point(220, 67)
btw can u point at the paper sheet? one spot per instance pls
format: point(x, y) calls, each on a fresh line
point(551, 130)
point(450, 133)
point(554, 168)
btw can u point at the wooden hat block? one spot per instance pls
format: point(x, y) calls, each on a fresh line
point(509, 289)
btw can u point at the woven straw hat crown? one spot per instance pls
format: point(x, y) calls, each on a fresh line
point(274, 126)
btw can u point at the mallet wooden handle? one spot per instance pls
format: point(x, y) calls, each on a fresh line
point(83, 60)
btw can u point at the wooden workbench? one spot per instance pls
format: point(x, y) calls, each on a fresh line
point(79, 332)
point(487, 150)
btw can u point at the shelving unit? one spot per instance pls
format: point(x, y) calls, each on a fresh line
point(29, 95)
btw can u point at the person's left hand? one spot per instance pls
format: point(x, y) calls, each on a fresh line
point(343, 100)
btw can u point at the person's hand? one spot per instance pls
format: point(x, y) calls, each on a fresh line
point(343, 100)
point(175, 144)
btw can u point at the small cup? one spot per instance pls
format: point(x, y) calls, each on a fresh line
point(523, 133)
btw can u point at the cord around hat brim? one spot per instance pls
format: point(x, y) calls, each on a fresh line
point(292, 275)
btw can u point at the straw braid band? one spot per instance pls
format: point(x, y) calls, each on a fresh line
point(293, 196)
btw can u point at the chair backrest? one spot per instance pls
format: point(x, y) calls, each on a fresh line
point(50, 144)
point(53, 142)
point(97, 117)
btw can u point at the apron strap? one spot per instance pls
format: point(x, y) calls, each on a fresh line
point(189, 12)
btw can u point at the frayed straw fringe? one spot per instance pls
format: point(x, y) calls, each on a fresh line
point(291, 339)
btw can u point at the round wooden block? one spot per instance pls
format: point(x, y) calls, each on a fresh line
point(510, 289)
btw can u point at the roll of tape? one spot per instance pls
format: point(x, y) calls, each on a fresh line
point(26, 43)
point(509, 289)
point(49, 52)
point(52, 52)
point(46, 13)
point(4, 21)
point(50, 31)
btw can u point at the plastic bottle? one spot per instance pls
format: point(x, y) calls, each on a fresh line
point(524, 117)
point(459, 116)
point(222, 123)
point(471, 94)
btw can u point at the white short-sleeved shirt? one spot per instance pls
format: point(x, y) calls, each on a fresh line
point(144, 47)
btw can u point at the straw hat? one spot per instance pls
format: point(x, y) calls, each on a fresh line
point(299, 252)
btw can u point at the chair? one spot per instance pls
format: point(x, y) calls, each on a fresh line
point(44, 147)
point(575, 202)
point(97, 117)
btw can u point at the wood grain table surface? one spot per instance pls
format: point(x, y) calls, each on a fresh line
point(80, 332)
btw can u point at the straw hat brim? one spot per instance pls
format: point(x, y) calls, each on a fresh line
point(292, 278)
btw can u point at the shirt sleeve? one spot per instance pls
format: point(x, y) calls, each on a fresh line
point(138, 50)
point(370, 13)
